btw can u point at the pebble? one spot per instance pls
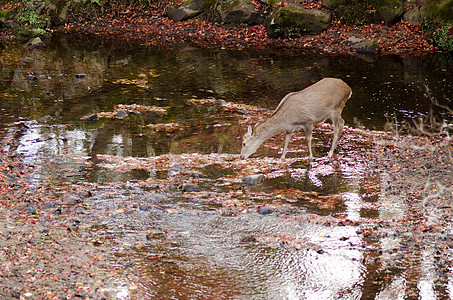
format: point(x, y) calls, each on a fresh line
point(253, 179)
point(186, 188)
point(92, 118)
point(264, 210)
point(175, 169)
point(121, 114)
point(248, 239)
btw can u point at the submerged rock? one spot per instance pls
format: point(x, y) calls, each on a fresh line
point(264, 210)
point(248, 239)
point(45, 119)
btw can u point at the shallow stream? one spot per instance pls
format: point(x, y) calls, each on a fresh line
point(324, 233)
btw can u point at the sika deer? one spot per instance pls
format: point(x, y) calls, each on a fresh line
point(302, 110)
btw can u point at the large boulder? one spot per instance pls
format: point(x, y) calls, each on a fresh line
point(365, 12)
point(364, 45)
point(413, 15)
point(239, 12)
point(388, 11)
point(294, 20)
point(58, 11)
point(187, 10)
point(438, 10)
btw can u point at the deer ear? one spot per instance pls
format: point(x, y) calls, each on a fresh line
point(250, 130)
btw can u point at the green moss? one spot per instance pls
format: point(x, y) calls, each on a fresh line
point(3, 13)
point(230, 4)
point(274, 2)
point(286, 16)
point(207, 4)
point(355, 12)
point(440, 10)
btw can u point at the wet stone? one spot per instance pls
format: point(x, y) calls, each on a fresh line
point(92, 118)
point(121, 114)
point(187, 188)
point(264, 210)
point(220, 102)
point(31, 77)
point(35, 43)
point(45, 119)
point(253, 179)
point(196, 175)
point(175, 169)
point(144, 207)
point(248, 239)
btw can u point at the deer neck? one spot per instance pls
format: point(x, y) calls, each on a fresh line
point(267, 129)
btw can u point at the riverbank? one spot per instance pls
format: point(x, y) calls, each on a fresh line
point(148, 24)
point(152, 27)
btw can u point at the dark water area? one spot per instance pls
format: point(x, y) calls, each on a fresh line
point(216, 243)
point(43, 83)
point(382, 85)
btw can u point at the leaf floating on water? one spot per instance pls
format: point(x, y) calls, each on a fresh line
point(130, 108)
point(138, 82)
point(169, 127)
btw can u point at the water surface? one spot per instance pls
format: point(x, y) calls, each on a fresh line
point(316, 243)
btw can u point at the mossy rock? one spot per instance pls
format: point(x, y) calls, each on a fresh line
point(239, 12)
point(294, 20)
point(438, 10)
point(360, 12)
point(189, 9)
point(351, 12)
point(388, 11)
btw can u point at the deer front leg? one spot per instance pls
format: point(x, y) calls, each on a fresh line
point(308, 135)
point(285, 147)
point(338, 128)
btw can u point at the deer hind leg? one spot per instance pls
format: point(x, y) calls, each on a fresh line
point(285, 148)
point(338, 125)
